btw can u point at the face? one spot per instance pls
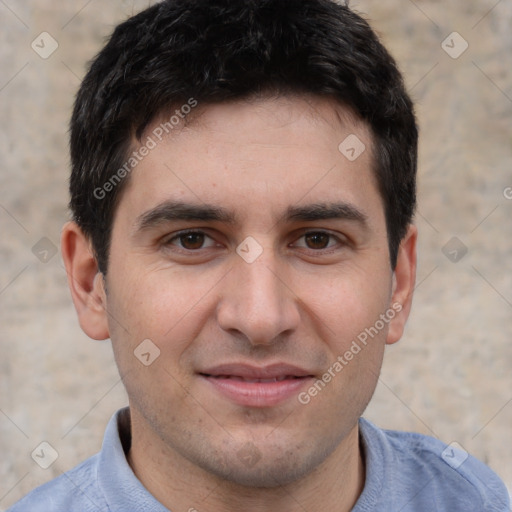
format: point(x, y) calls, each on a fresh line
point(253, 254)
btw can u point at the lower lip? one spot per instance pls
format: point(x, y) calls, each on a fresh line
point(258, 394)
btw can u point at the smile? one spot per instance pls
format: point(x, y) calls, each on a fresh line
point(244, 379)
point(251, 386)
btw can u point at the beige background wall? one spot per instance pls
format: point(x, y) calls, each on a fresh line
point(451, 375)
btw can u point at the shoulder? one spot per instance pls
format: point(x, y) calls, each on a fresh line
point(74, 490)
point(422, 471)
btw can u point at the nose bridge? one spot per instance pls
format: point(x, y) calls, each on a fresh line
point(256, 301)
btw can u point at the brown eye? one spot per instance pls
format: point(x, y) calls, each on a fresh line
point(317, 240)
point(190, 240)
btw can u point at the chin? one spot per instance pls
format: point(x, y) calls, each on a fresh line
point(268, 476)
point(271, 467)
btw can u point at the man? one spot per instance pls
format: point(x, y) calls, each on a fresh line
point(242, 189)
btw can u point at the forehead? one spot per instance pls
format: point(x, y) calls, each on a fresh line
point(258, 156)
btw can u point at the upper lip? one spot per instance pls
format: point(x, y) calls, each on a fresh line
point(248, 371)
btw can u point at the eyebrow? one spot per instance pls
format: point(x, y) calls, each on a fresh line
point(178, 210)
point(325, 211)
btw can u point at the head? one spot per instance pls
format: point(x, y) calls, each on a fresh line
point(230, 119)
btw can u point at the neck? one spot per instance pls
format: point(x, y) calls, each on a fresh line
point(179, 484)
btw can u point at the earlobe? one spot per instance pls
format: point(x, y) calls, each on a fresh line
point(404, 279)
point(85, 282)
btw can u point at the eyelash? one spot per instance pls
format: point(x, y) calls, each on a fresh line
point(168, 242)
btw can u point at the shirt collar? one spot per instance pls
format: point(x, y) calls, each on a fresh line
point(122, 489)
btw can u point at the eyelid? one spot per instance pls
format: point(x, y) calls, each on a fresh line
point(168, 239)
point(341, 241)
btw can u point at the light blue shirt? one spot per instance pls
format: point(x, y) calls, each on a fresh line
point(405, 472)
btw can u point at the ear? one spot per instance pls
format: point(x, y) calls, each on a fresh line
point(85, 282)
point(404, 279)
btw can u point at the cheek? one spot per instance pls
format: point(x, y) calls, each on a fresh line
point(152, 325)
point(348, 303)
point(153, 300)
point(165, 306)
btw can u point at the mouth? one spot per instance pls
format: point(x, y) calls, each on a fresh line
point(259, 380)
point(252, 386)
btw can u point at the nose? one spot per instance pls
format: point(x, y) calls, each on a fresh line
point(257, 302)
